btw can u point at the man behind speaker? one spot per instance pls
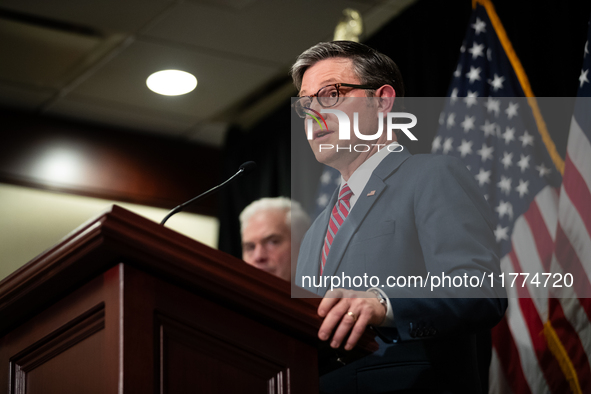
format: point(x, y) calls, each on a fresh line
point(272, 230)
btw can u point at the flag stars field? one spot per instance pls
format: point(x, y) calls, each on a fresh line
point(507, 159)
point(476, 50)
point(322, 199)
point(470, 99)
point(483, 177)
point(583, 78)
point(454, 96)
point(523, 163)
point(436, 144)
point(451, 120)
point(522, 188)
point(468, 123)
point(486, 97)
point(325, 178)
point(486, 152)
point(465, 148)
point(479, 26)
point(505, 185)
point(501, 233)
point(474, 74)
point(490, 129)
point(448, 145)
point(509, 135)
point(497, 82)
point(511, 110)
point(542, 170)
point(504, 208)
point(493, 106)
point(526, 139)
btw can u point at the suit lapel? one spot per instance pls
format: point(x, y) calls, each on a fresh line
point(360, 210)
point(311, 257)
point(391, 164)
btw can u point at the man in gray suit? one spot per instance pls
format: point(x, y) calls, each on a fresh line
point(394, 216)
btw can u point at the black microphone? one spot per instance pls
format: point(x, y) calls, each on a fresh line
point(245, 168)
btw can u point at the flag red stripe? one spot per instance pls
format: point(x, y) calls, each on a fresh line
point(541, 235)
point(572, 344)
point(586, 305)
point(509, 357)
point(569, 261)
point(548, 363)
point(578, 192)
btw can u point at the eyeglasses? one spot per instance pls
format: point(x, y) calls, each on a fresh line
point(327, 96)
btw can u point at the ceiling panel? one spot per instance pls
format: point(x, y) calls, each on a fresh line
point(25, 98)
point(126, 116)
point(269, 30)
point(118, 15)
point(221, 81)
point(38, 55)
point(235, 4)
point(89, 59)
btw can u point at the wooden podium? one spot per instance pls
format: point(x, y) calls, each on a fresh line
point(124, 305)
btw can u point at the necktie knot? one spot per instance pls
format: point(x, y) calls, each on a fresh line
point(346, 193)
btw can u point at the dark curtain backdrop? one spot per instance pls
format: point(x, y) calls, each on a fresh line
point(424, 41)
point(267, 144)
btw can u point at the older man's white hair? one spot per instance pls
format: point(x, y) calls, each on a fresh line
point(295, 216)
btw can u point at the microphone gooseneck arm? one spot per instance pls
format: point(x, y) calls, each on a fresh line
point(244, 169)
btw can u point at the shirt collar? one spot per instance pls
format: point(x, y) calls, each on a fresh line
point(360, 176)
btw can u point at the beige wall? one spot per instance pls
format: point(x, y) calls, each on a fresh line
point(33, 220)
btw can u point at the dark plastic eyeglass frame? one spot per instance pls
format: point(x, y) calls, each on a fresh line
point(337, 86)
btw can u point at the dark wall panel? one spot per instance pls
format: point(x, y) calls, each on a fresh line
point(105, 162)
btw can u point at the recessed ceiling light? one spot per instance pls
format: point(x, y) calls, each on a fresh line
point(171, 82)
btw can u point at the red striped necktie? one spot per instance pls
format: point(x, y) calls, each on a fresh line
point(337, 218)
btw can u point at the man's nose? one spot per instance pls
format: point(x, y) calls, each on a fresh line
point(315, 105)
point(260, 254)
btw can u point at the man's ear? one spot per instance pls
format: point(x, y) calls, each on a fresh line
point(387, 95)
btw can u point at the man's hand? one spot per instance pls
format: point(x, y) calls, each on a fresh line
point(348, 310)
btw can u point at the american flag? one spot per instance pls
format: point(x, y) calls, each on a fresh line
point(329, 181)
point(492, 122)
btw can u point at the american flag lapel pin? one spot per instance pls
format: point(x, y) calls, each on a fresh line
point(371, 193)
